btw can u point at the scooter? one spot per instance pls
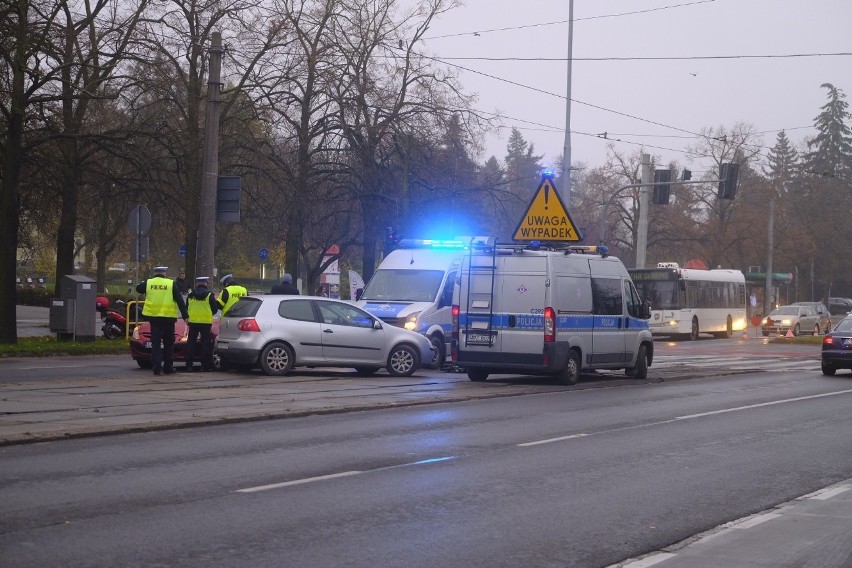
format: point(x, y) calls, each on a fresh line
point(115, 319)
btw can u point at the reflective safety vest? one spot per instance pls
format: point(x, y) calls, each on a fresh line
point(159, 302)
point(235, 292)
point(200, 310)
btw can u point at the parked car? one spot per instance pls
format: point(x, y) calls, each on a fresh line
point(798, 319)
point(839, 306)
point(140, 344)
point(277, 333)
point(822, 313)
point(837, 347)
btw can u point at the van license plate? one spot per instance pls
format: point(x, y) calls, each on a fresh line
point(478, 339)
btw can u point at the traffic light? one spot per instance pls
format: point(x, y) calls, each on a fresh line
point(391, 240)
point(661, 192)
point(728, 175)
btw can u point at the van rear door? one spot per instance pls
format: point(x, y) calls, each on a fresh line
point(522, 283)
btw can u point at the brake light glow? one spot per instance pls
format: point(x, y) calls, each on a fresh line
point(549, 325)
point(827, 340)
point(248, 325)
point(454, 333)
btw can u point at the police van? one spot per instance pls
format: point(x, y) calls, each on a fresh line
point(413, 288)
point(534, 309)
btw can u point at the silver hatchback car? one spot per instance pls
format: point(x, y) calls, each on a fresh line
point(277, 333)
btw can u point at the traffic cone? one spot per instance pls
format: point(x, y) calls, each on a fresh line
point(789, 333)
point(745, 333)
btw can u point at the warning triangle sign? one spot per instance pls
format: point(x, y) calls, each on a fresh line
point(546, 218)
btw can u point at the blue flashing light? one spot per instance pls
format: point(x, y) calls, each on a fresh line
point(548, 173)
point(431, 244)
point(535, 245)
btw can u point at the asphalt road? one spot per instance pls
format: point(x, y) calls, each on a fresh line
point(585, 477)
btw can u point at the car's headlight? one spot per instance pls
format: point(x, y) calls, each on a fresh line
point(786, 322)
point(411, 322)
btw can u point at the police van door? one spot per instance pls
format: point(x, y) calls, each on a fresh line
point(608, 342)
point(521, 281)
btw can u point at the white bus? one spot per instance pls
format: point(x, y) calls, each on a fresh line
point(688, 301)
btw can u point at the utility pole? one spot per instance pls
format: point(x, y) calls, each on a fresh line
point(210, 163)
point(769, 290)
point(566, 149)
point(644, 205)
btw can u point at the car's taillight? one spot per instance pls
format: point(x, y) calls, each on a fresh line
point(549, 325)
point(454, 333)
point(248, 325)
point(827, 340)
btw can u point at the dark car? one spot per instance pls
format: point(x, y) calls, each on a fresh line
point(839, 306)
point(140, 344)
point(837, 347)
point(821, 311)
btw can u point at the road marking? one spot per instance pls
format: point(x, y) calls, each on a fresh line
point(762, 404)
point(649, 561)
point(829, 493)
point(54, 367)
point(559, 439)
point(297, 482)
point(686, 417)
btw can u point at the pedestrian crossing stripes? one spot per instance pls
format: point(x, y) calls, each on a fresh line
point(736, 363)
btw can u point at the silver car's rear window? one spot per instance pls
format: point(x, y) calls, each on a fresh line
point(300, 310)
point(245, 308)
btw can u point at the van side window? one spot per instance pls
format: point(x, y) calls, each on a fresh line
point(631, 296)
point(607, 296)
point(574, 294)
point(447, 292)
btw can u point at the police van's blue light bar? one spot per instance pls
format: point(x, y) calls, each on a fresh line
point(448, 244)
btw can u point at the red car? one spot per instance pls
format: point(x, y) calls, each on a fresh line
point(140, 344)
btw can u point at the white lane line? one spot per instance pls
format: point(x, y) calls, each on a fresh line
point(296, 482)
point(559, 439)
point(53, 367)
point(762, 404)
point(686, 417)
point(829, 493)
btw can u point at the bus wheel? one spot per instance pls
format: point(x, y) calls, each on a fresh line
point(693, 333)
point(640, 371)
point(571, 374)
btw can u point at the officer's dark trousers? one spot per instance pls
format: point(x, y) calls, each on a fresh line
point(162, 329)
point(201, 330)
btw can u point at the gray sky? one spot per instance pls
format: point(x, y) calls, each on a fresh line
point(685, 95)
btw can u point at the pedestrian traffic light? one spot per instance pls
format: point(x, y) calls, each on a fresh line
point(661, 192)
point(728, 175)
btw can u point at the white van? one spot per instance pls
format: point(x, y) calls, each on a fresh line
point(533, 310)
point(413, 288)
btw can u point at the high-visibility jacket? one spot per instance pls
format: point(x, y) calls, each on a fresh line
point(159, 298)
point(199, 309)
point(235, 292)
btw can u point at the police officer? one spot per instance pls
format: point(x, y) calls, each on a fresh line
point(163, 305)
point(286, 287)
point(231, 293)
point(202, 304)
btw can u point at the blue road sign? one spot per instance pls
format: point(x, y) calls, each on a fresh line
point(182, 251)
point(263, 254)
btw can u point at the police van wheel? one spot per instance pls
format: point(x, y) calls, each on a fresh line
point(477, 375)
point(640, 371)
point(571, 374)
point(440, 354)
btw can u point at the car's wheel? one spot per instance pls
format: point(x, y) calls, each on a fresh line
point(693, 332)
point(439, 355)
point(144, 363)
point(828, 370)
point(797, 329)
point(640, 371)
point(477, 375)
point(403, 361)
point(112, 330)
point(217, 361)
point(276, 359)
point(571, 373)
point(366, 371)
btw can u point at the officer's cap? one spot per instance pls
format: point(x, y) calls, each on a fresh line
point(161, 269)
point(202, 279)
point(226, 277)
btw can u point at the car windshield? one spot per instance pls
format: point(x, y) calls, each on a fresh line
point(844, 325)
point(404, 285)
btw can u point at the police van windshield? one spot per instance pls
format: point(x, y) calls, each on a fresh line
point(390, 285)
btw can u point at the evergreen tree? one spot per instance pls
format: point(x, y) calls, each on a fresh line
point(831, 149)
point(782, 161)
point(523, 167)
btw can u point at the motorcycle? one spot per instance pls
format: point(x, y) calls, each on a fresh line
point(114, 318)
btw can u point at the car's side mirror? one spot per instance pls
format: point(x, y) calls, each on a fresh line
point(646, 309)
point(377, 324)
